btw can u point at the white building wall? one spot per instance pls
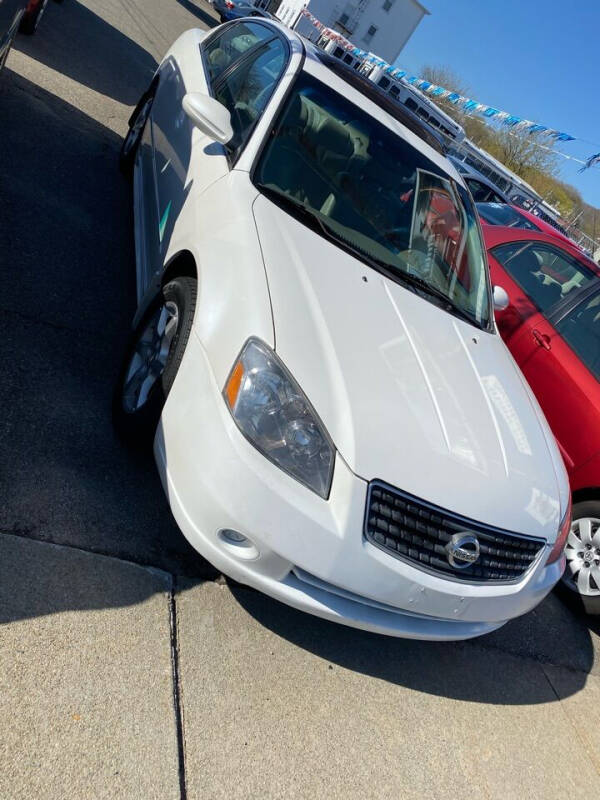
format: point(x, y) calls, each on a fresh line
point(393, 27)
point(289, 13)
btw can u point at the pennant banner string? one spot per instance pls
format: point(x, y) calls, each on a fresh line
point(465, 103)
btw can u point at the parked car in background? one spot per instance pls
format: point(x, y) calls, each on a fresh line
point(18, 15)
point(482, 188)
point(509, 216)
point(547, 227)
point(11, 13)
point(335, 418)
point(552, 328)
point(504, 215)
point(236, 9)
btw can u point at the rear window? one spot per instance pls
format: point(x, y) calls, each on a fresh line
point(501, 214)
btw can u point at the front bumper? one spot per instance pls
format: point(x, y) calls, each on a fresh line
point(308, 552)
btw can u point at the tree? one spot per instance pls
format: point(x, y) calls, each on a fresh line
point(523, 153)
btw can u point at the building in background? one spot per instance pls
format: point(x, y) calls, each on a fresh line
point(379, 26)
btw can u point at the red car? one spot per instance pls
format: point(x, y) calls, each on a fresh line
point(552, 328)
point(513, 217)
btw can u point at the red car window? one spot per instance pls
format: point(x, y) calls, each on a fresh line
point(580, 328)
point(545, 273)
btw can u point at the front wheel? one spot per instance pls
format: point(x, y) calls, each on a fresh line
point(152, 360)
point(580, 584)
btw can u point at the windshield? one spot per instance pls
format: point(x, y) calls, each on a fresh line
point(362, 185)
point(501, 214)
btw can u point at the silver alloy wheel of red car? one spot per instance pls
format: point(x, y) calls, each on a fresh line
point(582, 574)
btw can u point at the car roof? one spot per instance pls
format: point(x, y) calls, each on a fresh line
point(339, 77)
point(498, 234)
point(377, 95)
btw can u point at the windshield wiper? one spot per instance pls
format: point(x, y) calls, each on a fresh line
point(389, 270)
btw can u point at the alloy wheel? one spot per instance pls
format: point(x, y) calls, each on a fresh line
point(150, 356)
point(582, 574)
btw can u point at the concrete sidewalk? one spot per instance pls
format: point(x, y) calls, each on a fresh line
point(86, 690)
point(281, 705)
point(272, 703)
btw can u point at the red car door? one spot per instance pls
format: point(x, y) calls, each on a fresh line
point(543, 330)
point(520, 307)
point(566, 389)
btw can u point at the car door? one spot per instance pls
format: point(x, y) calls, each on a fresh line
point(562, 365)
point(558, 378)
point(233, 67)
point(537, 276)
point(520, 307)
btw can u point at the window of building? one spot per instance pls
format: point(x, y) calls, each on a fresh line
point(372, 30)
point(387, 4)
point(384, 82)
point(343, 19)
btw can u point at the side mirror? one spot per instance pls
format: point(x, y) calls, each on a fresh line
point(209, 116)
point(501, 299)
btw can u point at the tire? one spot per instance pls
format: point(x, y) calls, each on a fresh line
point(152, 361)
point(579, 554)
point(131, 142)
point(31, 19)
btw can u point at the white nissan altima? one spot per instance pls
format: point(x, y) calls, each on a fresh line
point(335, 419)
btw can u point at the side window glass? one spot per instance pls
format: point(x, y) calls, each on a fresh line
point(544, 273)
point(221, 51)
point(478, 190)
point(581, 331)
point(247, 89)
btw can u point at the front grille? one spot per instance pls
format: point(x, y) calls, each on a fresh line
point(418, 532)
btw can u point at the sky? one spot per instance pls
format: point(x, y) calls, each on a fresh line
point(538, 59)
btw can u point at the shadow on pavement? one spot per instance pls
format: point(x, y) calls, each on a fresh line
point(194, 9)
point(67, 272)
point(78, 43)
point(499, 668)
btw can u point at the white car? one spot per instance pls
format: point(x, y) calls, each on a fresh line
point(334, 416)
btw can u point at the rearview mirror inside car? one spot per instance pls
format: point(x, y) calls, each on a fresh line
point(209, 116)
point(501, 299)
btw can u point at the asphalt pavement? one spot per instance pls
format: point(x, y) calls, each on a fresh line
point(128, 668)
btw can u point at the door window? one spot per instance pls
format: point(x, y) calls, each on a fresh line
point(224, 49)
point(580, 328)
point(246, 90)
point(479, 191)
point(545, 273)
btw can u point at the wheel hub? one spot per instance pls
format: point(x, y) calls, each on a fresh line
point(150, 356)
point(582, 551)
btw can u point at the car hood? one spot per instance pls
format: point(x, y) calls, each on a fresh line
point(409, 393)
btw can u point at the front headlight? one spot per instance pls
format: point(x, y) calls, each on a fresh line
point(272, 412)
point(563, 534)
